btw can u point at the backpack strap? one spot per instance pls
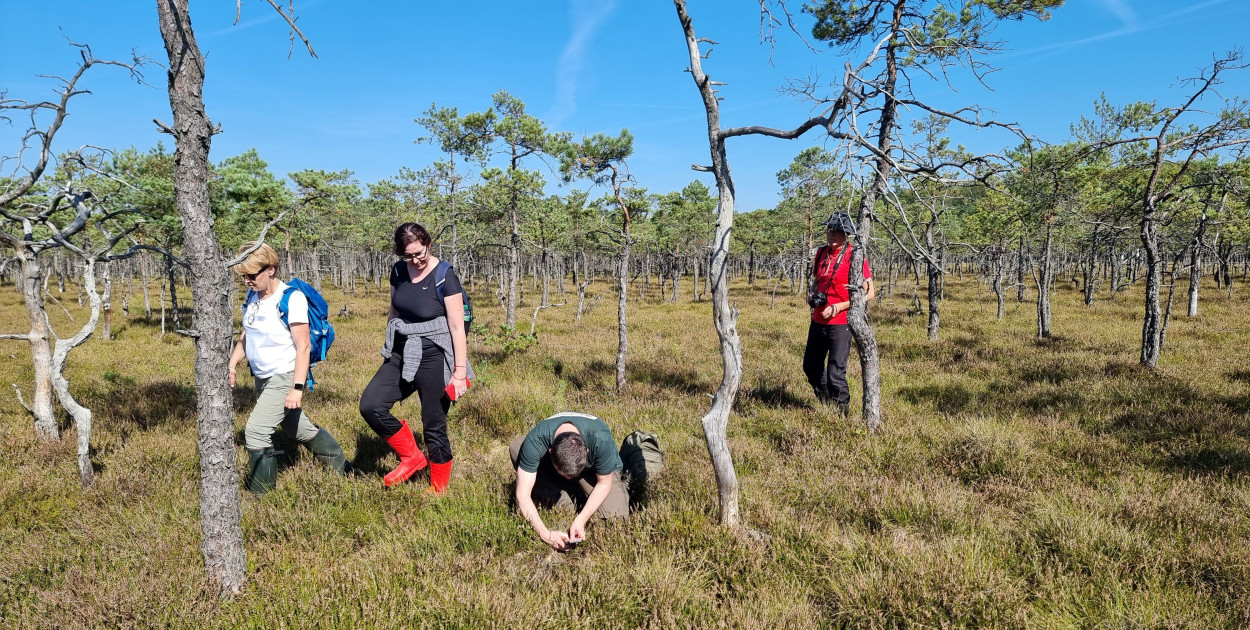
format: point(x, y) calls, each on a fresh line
point(284, 308)
point(247, 299)
point(284, 305)
point(440, 279)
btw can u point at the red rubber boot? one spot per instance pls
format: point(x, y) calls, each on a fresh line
point(440, 476)
point(410, 458)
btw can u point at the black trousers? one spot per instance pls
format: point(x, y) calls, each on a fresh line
point(828, 379)
point(388, 388)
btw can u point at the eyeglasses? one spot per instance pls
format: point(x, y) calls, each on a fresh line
point(251, 277)
point(252, 310)
point(421, 255)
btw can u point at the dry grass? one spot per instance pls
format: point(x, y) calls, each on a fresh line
point(1019, 483)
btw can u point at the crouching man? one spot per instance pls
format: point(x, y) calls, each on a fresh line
point(569, 460)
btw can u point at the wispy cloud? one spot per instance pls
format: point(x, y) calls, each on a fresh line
point(1129, 25)
point(1120, 9)
point(584, 17)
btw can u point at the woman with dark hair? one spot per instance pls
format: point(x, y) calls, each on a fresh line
point(828, 335)
point(424, 352)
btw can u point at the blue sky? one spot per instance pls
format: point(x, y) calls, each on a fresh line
point(580, 66)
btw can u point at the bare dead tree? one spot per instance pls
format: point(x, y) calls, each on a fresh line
point(716, 421)
point(25, 215)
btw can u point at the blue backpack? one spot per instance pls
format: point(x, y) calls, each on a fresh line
point(320, 330)
point(440, 277)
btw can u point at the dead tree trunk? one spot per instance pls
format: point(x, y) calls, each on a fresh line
point(1151, 322)
point(1043, 278)
point(716, 422)
point(1195, 259)
point(39, 338)
point(106, 274)
point(999, 263)
point(81, 415)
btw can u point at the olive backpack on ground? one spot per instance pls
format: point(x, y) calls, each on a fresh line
point(642, 458)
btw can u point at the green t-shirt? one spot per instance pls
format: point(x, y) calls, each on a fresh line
point(603, 457)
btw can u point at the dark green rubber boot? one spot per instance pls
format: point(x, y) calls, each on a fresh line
point(327, 449)
point(262, 470)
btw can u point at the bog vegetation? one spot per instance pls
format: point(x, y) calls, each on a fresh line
point(1054, 421)
point(1020, 483)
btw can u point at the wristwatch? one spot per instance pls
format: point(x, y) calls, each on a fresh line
point(299, 386)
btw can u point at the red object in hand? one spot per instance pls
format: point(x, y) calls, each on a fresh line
point(451, 389)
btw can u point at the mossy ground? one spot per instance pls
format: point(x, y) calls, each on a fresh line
point(1018, 483)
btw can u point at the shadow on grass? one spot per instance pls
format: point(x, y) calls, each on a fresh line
point(370, 449)
point(124, 406)
point(774, 394)
point(1213, 460)
point(588, 375)
point(684, 380)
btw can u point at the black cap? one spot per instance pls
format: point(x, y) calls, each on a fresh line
point(841, 222)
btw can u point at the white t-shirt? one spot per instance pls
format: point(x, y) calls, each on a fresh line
point(268, 342)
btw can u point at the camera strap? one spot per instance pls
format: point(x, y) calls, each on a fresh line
point(837, 264)
point(824, 255)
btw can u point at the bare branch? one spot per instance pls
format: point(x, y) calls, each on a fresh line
point(768, 22)
point(290, 18)
point(260, 240)
point(59, 109)
point(163, 128)
point(134, 249)
point(21, 400)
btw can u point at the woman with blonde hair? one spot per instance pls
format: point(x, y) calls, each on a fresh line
point(278, 351)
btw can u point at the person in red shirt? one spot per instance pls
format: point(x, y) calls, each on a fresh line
point(828, 336)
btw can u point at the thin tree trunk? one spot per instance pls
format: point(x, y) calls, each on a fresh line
point(935, 280)
point(1150, 331)
point(999, 263)
point(106, 330)
point(622, 327)
point(514, 267)
point(857, 314)
point(225, 560)
point(1020, 272)
point(39, 337)
point(1195, 260)
point(1167, 311)
point(81, 415)
point(147, 280)
point(1043, 276)
point(715, 423)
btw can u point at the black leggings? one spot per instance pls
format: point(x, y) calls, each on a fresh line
point(388, 388)
point(828, 380)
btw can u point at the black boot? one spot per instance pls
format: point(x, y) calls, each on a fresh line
point(844, 408)
point(262, 470)
point(327, 449)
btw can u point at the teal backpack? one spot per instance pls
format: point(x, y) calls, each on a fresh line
point(440, 277)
